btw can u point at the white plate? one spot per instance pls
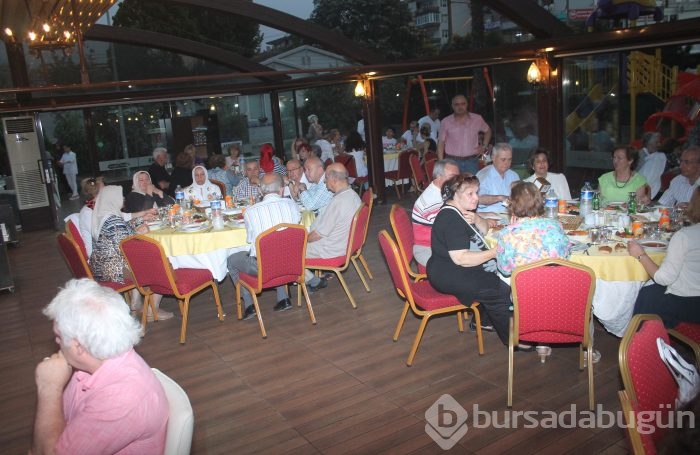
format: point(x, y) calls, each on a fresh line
point(194, 227)
point(653, 244)
point(155, 226)
point(202, 204)
point(234, 211)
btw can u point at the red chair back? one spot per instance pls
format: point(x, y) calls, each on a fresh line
point(403, 231)
point(360, 225)
point(404, 165)
point(417, 171)
point(281, 253)
point(396, 267)
point(149, 265)
point(552, 301)
point(349, 162)
point(647, 381)
point(428, 156)
point(75, 260)
point(368, 198)
point(75, 235)
point(690, 330)
point(429, 167)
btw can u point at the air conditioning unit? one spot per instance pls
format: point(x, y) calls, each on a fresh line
point(22, 142)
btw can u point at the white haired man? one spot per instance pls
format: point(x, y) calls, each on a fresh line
point(96, 394)
point(159, 176)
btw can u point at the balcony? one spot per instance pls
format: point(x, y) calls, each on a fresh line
point(427, 20)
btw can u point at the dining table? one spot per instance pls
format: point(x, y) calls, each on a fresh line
point(391, 163)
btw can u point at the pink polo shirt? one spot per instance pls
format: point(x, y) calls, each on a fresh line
point(462, 137)
point(120, 409)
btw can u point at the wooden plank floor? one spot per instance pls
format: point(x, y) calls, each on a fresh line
point(341, 386)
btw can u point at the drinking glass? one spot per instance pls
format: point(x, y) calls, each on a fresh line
point(595, 235)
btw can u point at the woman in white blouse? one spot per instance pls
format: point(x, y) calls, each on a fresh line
point(539, 161)
point(202, 189)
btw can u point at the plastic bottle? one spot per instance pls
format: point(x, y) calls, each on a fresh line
point(217, 220)
point(180, 198)
point(241, 165)
point(586, 206)
point(551, 203)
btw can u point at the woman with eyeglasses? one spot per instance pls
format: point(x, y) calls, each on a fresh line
point(461, 263)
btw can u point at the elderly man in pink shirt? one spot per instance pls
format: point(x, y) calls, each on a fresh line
point(459, 136)
point(96, 394)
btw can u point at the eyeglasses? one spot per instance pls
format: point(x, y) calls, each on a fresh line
point(293, 169)
point(689, 161)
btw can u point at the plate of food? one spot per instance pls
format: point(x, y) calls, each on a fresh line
point(653, 244)
point(233, 211)
point(194, 227)
point(578, 235)
point(610, 248)
point(202, 204)
point(155, 225)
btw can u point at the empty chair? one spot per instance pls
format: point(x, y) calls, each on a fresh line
point(402, 172)
point(281, 255)
point(403, 231)
point(420, 180)
point(153, 273)
point(348, 161)
point(552, 304)
point(422, 298)
point(178, 440)
point(339, 264)
point(648, 385)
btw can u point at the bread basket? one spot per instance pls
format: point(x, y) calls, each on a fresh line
point(570, 222)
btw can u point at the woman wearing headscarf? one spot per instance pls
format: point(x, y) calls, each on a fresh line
point(108, 230)
point(202, 189)
point(144, 194)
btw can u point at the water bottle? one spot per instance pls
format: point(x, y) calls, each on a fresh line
point(551, 204)
point(586, 206)
point(241, 165)
point(217, 220)
point(180, 197)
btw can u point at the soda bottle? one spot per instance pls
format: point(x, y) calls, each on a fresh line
point(596, 200)
point(551, 203)
point(632, 203)
point(586, 206)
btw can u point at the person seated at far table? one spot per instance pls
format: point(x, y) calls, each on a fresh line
point(269, 162)
point(249, 187)
point(159, 175)
point(316, 196)
point(182, 172)
point(202, 189)
point(271, 211)
point(96, 394)
point(330, 231)
point(682, 186)
point(295, 176)
point(355, 146)
point(411, 134)
point(652, 161)
point(144, 194)
point(218, 171)
point(675, 293)
point(388, 140)
point(496, 180)
point(427, 207)
point(615, 186)
point(539, 162)
point(234, 153)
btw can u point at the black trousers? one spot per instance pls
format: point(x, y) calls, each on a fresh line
point(671, 308)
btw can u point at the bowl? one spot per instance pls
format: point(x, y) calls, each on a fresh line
point(653, 244)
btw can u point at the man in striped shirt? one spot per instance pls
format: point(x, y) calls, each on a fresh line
point(271, 211)
point(427, 207)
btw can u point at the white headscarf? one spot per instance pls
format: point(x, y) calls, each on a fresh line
point(135, 179)
point(202, 192)
point(109, 201)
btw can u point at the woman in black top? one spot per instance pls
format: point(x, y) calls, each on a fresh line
point(144, 194)
point(182, 172)
point(461, 264)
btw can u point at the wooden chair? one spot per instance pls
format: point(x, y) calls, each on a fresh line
point(281, 256)
point(429, 166)
point(420, 181)
point(422, 298)
point(552, 302)
point(221, 185)
point(428, 156)
point(403, 231)
point(339, 264)
point(79, 267)
point(648, 385)
point(402, 172)
point(153, 273)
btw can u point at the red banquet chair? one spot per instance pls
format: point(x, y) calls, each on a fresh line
point(648, 385)
point(429, 166)
point(402, 172)
point(74, 233)
point(689, 334)
point(420, 180)
point(79, 266)
point(348, 161)
point(422, 298)
point(552, 302)
point(368, 199)
point(281, 255)
point(154, 274)
point(403, 231)
point(339, 264)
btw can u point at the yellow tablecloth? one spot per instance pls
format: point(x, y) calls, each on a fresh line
point(189, 243)
point(615, 266)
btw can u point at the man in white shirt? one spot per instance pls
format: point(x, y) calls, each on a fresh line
point(496, 180)
point(433, 120)
point(409, 136)
point(653, 162)
point(682, 186)
point(427, 207)
point(271, 211)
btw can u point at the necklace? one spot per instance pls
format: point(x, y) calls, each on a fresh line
point(624, 184)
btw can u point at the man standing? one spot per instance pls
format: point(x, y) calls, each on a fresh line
point(249, 188)
point(271, 211)
point(96, 394)
point(316, 196)
point(330, 231)
point(160, 176)
point(496, 180)
point(459, 136)
point(69, 162)
point(682, 186)
point(433, 120)
point(427, 207)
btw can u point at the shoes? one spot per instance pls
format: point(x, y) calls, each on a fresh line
point(596, 357)
point(162, 315)
point(283, 305)
point(543, 352)
point(321, 284)
point(250, 313)
point(74, 197)
point(524, 348)
point(484, 328)
point(328, 275)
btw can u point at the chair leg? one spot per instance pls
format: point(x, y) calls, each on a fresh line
point(308, 302)
point(396, 187)
point(217, 300)
point(238, 300)
point(366, 266)
point(416, 340)
point(511, 343)
point(345, 286)
point(359, 272)
point(460, 324)
point(479, 333)
point(257, 311)
point(185, 309)
point(299, 295)
point(144, 310)
point(402, 319)
point(591, 390)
